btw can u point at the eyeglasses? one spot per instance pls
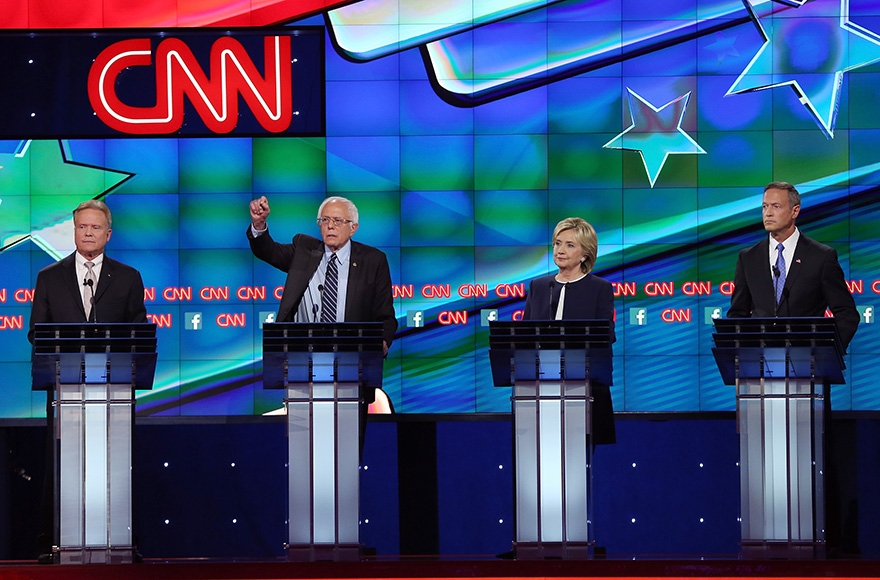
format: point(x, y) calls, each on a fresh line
point(337, 221)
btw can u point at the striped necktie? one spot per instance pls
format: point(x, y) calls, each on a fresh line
point(331, 287)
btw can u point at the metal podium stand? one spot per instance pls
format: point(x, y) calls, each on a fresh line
point(782, 369)
point(93, 370)
point(324, 369)
point(551, 365)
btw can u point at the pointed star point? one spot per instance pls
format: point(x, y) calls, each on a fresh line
point(808, 48)
point(656, 133)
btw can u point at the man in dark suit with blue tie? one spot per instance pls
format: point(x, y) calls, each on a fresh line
point(789, 274)
point(85, 286)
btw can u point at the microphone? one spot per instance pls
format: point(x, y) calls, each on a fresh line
point(93, 315)
point(19, 471)
point(550, 315)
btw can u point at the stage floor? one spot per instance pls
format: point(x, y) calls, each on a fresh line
point(436, 568)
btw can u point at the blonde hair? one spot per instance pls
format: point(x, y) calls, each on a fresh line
point(585, 235)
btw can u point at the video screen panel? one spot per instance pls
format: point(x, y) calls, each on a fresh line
point(463, 138)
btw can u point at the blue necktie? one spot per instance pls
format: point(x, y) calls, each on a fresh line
point(780, 267)
point(331, 286)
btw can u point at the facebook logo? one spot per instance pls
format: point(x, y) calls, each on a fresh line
point(710, 313)
point(192, 320)
point(638, 316)
point(415, 318)
point(487, 316)
point(867, 313)
point(266, 317)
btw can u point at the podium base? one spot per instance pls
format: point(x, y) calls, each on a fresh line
point(782, 550)
point(552, 550)
point(323, 552)
point(99, 555)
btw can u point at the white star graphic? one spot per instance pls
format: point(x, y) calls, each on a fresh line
point(655, 133)
point(809, 49)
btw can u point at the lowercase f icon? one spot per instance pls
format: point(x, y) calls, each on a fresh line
point(192, 320)
point(638, 316)
point(487, 316)
point(710, 313)
point(867, 313)
point(415, 318)
point(266, 317)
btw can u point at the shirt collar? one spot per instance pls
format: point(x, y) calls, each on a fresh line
point(790, 242)
point(81, 260)
point(342, 254)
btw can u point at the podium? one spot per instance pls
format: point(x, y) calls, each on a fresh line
point(92, 371)
point(551, 365)
point(324, 369)
point(783, 369)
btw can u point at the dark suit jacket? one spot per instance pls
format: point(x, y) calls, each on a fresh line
point(814, 281)
point(119, 295)
point(590, 298)
point(369, 297)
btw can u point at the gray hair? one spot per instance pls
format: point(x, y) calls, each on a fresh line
point(98, 205)
point(794, 198)
point(352, 209)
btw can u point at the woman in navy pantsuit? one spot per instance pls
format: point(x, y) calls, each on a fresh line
point(573, 293)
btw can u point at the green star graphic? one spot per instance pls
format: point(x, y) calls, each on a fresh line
point(40, 187)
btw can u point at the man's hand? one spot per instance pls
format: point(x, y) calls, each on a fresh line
point(259, 212)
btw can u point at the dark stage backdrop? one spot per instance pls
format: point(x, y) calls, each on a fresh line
point(463, 132)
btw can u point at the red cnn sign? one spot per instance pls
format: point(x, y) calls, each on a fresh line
point(178, 74)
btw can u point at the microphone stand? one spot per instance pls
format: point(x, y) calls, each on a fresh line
point(93, 314)
point(776, 275)
point(312, 299)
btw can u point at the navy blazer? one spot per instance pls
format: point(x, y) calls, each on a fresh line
point(814, 282)
point(119, 295)
point(368, 298)
point(590, 298)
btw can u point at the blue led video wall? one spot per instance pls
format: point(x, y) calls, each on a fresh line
point(464, 132)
